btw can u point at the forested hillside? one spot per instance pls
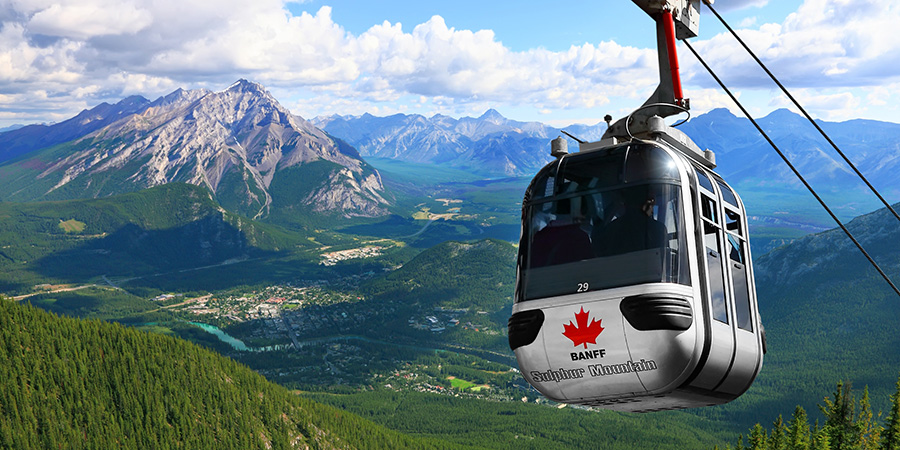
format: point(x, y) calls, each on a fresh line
point(456, 275)
point(169, 227)
point(475, 277)
point(520, 426)
point(68, 383)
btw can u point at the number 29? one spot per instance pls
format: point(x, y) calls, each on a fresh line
point(583, 287)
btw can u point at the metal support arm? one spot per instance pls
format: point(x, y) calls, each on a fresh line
point(674, 19)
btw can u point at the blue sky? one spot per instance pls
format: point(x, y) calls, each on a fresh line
point(571, 62)
point(529, 24)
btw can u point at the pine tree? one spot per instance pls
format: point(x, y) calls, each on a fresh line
point(821, 441)
point(798, 437)
point(778, 440)
point(890, 437)
point(840, 421)
point(758, 438)
point(740, 443)
point(867, 427)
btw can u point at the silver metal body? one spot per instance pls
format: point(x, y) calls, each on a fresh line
point(593, 331)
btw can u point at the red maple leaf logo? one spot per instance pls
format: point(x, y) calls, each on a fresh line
point(583, 333)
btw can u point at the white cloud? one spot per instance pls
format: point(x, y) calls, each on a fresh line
point(748, 22)
point(79, 53)
point(28, 63)
point(705, 100)
point(880, 95)
point(161, 44)
point(826, 43)
point(435, 59)
point(83, 20)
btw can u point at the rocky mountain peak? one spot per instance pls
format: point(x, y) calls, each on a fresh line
point(493, 116)
point(237, 142)
point(244, 85)
point(489, 144)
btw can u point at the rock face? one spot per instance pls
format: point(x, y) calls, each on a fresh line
point(236, 142)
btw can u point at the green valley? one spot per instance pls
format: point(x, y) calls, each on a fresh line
point(402, 319)
point(320, 312)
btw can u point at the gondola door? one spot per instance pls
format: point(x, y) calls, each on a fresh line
point(720, 339)
point(748, 350)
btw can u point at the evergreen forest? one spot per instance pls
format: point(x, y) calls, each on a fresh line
point(89, 384)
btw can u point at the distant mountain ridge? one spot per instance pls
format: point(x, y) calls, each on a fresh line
point(744, 156)
point(11, 127)
point(496, 146)
point(26, 139)
point(490, 144)
point(240, 143)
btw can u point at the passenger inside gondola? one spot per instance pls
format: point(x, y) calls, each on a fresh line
point(634, 228)
point(568, 223)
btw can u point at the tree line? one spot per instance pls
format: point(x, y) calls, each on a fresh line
point(849, 424)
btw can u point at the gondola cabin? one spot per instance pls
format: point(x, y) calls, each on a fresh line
point(634, 286)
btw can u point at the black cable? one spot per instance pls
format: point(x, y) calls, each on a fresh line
point(794, 169)
point(808, 117)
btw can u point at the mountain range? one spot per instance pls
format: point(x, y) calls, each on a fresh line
point(240, 143)
point(497, 146)
point(491, 144)
point(744, 156)
point(263, 162)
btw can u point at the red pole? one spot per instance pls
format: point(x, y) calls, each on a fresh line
point(669, 28)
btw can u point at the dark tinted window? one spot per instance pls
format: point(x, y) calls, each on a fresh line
point(704, 181)
point(709, 208)
point(736, 249)
point(603, 169)
point(727, 195)
point(544, 183)
point(741, 284)
point(615, 219)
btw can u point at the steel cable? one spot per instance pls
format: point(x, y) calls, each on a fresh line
point(797, 104)
point(793, 169)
